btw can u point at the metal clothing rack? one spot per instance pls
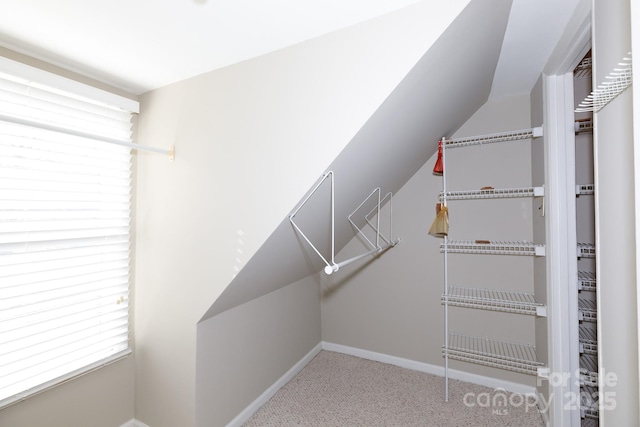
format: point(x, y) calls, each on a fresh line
point(331, 265)
point(482, 350)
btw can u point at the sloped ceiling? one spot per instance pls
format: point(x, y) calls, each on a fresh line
point(140, 45)
point(449, 83)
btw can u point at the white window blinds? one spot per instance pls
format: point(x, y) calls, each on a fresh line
point(65, 208)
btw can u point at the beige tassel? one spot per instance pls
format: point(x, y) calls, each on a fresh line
point(440, 226)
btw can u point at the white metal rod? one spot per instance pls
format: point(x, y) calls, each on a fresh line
point(59, 129)
point(306, 199)
point(446, 284)
point(307, 240)
point(377, 245)
point(335, 267)
point(366, 217)
point(333, 232)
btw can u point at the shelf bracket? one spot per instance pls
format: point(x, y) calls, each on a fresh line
point(544, 372)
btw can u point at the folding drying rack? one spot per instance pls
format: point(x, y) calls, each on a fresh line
point(376, 248)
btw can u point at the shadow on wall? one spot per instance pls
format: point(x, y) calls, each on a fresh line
point(449, 83)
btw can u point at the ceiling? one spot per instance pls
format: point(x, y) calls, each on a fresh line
point(140, 45)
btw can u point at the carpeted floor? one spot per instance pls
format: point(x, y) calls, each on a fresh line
point(335, 389)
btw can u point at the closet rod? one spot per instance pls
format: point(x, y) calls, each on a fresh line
point(335, 267)
point(32, 123)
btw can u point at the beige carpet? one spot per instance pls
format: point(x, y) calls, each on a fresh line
point(335, 389)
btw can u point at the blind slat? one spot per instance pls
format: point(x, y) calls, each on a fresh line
point(65, 210)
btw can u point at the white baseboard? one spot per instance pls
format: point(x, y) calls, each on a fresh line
point(544, 414)
point(243, 416)
point(494, 383)
point(430, 369)
point(134, 423)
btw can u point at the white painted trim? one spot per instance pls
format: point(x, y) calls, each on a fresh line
point(134, 423)
point(243, 416)
point(562, 325)
point(545, 415)
point(429, 368)
point(635, 43)
point(66, 84)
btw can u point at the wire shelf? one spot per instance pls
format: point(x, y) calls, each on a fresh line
point(495, 300)
point(493, 193)
point(589, 370)
point(587, 310)
point(516, 135)
point(492, 248)
point(583, 70)
point(586, 250)
point(584, 125)
point(589, 402)
point(586, 281)
point(496, 354)
point(585, 190)
point(617, 81)
point(588, 340)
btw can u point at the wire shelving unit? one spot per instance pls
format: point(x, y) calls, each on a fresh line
point(511, 136)
point(494, 300)
point(493, 353)
point(586, 250)
point(584, 125)
point(585, 190)
point(493, 193)
point(589, 403)
point(588, 340)
point(587, 281)
point(589, 370)
point(587, 310)
point(618, 80)
point(510, 356)
point(488, 247)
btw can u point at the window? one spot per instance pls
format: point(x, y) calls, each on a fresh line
point(65, 210)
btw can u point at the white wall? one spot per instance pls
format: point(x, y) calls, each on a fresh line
point(102, 398)
point(250, 139)
point(615, 227)
point(244, 350)
point(391, 304)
